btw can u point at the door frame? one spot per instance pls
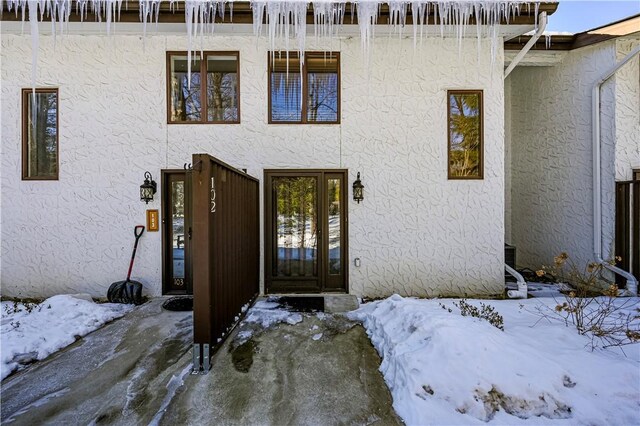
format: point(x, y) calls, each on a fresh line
point(165, 176)
point(323, 218)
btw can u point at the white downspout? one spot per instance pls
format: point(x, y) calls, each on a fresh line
point(632, 283)
point(521, 292)
point(542, 25)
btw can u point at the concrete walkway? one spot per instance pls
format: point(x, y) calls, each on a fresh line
point(322, 370)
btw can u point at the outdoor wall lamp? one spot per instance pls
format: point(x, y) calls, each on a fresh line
point(148, 188)
point(358, 190)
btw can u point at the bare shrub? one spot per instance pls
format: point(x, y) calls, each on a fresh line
point(593, 306)
point(485, 312)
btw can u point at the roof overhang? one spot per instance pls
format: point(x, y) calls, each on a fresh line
point(171, 20)
point(628, 27)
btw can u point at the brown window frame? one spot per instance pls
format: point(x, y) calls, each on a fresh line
point(303, 113)
point(25, 132)
point(203, 87)
point(480, 93)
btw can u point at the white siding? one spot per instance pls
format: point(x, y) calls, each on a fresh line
point(416, 232)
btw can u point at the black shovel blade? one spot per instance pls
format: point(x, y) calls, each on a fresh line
point(125, 292)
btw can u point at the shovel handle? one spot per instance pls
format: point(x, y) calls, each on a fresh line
point(135, 247)
point(136, 233)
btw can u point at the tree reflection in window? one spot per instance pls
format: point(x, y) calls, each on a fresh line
point(220, 99)
point(465, 134)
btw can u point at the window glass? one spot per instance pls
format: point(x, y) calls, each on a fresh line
point(465, 135)
point(214, 93)
point(40, 138)
point(286, 89)
point(222, 88)
point(307, 95)
point(322, 88)
point(185, 101)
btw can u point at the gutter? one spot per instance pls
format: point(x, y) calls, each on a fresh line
point(542, 25)
point(632, 282)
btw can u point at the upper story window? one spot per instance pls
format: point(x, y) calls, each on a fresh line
point(40, 134)
point(307, 95)
point(214, 94)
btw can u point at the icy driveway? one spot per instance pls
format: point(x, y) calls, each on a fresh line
point(302, 369)
point(116, 374)
point(277, 368)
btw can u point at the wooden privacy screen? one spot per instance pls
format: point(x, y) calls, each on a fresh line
point(225, 250)
point(628, 228)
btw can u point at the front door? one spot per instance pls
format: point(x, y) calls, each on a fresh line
point(306, 231)
point(175, 232)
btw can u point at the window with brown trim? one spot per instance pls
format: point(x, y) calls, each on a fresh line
point(40, 134)
point(307, 94)
point(465, 116)
point(210, 93)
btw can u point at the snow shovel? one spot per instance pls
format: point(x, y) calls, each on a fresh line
point(128, 291)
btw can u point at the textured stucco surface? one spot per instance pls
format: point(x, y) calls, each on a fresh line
point(416, 232)
point(627, 111)
point(551, 141)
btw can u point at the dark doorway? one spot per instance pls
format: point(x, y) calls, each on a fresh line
point(176, 250)
point(305, 231)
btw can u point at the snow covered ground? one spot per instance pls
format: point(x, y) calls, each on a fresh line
point(443, 368)
point(33, 332)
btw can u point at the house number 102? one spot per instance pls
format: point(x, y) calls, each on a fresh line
point(213, 195)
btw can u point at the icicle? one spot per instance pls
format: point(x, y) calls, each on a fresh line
point(286, 19)
point(33, 23)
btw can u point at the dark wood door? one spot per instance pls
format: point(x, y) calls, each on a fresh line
point(176, 228)
point(305, 231)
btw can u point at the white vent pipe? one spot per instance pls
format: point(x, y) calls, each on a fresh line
point(632, 283)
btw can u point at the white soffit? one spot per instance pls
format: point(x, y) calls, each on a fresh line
point(536, 58)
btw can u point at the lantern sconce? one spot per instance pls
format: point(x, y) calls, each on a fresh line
point(358, 190)
point(148, 188)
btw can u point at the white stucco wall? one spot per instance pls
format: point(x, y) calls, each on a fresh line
point(416, 232)
point(507, 160)
point(627, 111)
point(551, 139)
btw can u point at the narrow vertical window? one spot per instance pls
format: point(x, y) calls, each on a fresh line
point(209, 93)
point(465, 123)
point(307, 94)
point(40, 134)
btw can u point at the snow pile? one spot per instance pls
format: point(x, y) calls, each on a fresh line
point(33, 332)
point(267, 313)
point(443, 368)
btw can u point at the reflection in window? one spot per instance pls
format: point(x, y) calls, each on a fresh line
point(334, 226)
point(222, 88)
point(186, 102)
point(40, 134)
point(295, 201)
point(465, 153)
point(286, 86)
point(220, 99)
point(307, 95)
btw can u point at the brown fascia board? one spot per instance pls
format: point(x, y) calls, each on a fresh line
point(242, 14)
point(622, 28)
